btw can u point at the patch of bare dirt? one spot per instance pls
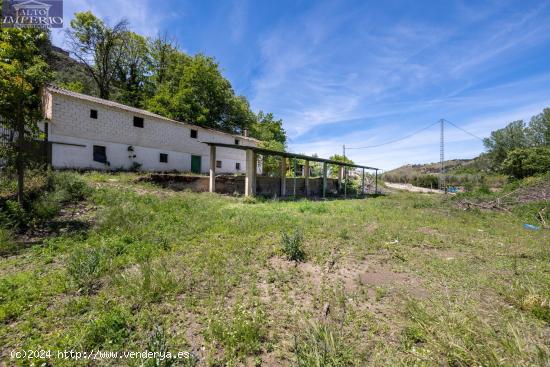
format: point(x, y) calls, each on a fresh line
point(353, 277)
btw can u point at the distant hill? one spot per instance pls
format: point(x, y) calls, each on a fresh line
point(68, 72)
point(453, 166)
point(457, 172)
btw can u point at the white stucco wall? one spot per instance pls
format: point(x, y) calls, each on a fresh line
point(73, 134)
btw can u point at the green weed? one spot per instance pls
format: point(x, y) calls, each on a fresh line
point(322, 345)
point(292, 246)
point(85, 265)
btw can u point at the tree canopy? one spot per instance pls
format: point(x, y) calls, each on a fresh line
point(519, 144)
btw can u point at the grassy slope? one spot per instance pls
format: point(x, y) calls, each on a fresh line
point(404, 279)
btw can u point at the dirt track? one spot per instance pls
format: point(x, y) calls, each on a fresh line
point(409, 187)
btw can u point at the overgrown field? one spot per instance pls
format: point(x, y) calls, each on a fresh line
point(405, 279)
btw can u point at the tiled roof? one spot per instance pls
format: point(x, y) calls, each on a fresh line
point(57, 90)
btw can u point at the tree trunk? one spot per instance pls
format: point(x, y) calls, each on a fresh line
point(20, 162)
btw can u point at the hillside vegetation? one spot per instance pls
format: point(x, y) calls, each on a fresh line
point(412, 279)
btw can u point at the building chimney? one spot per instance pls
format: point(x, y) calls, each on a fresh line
point(245, 133)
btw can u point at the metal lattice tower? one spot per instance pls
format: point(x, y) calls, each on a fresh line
point(442, 155)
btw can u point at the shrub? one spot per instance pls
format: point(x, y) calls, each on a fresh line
point(84, 266)
point(48, 205)
point(292, 246)
point(13, 215)
point(71, 186)
point(523, 162)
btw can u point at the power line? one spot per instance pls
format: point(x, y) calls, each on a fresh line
point(416, 132)
point(459, 128)
point(397, 140)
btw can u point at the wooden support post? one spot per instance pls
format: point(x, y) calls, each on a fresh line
point(363, 183)
point(376, 183)
point(250, 178)
point(306, 177)
point(283, 176)
point(324, 179)
point(212, 182)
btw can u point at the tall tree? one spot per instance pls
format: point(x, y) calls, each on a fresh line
point(164, 53)
point(23, 71)
point(99, 47)
point(538, 131)
point(133, 70)
point(504, 140)
point(195, 91)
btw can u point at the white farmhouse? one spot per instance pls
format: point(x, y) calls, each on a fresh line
point(86, 132)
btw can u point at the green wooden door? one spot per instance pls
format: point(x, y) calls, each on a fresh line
point(196, 163)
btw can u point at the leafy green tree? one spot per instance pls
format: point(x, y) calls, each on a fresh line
point(538, 131)
point(524, 162)
point(272, 135)
point(164, 57)
point(504, 140)
point(133, 70)
point(23, 71)
point(334, 168)
point(99, 47)
point(517, 135)
point(267, 128)
point(198, 93)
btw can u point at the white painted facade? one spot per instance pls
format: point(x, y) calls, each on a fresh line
point(74, 132)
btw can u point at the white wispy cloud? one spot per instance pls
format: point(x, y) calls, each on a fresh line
point(359, 80)
point(144, 16)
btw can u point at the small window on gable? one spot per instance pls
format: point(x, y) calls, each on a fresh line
point(237, 141)
point(194, 134)
point(163, 158)
point(100, 154)
point(138, 121)
point(238, 166)
point(218, 164)
point(93, 114)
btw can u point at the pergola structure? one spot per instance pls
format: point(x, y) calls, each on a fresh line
point(252, 161)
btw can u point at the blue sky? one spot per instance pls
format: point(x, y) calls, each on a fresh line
point(365, 72)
